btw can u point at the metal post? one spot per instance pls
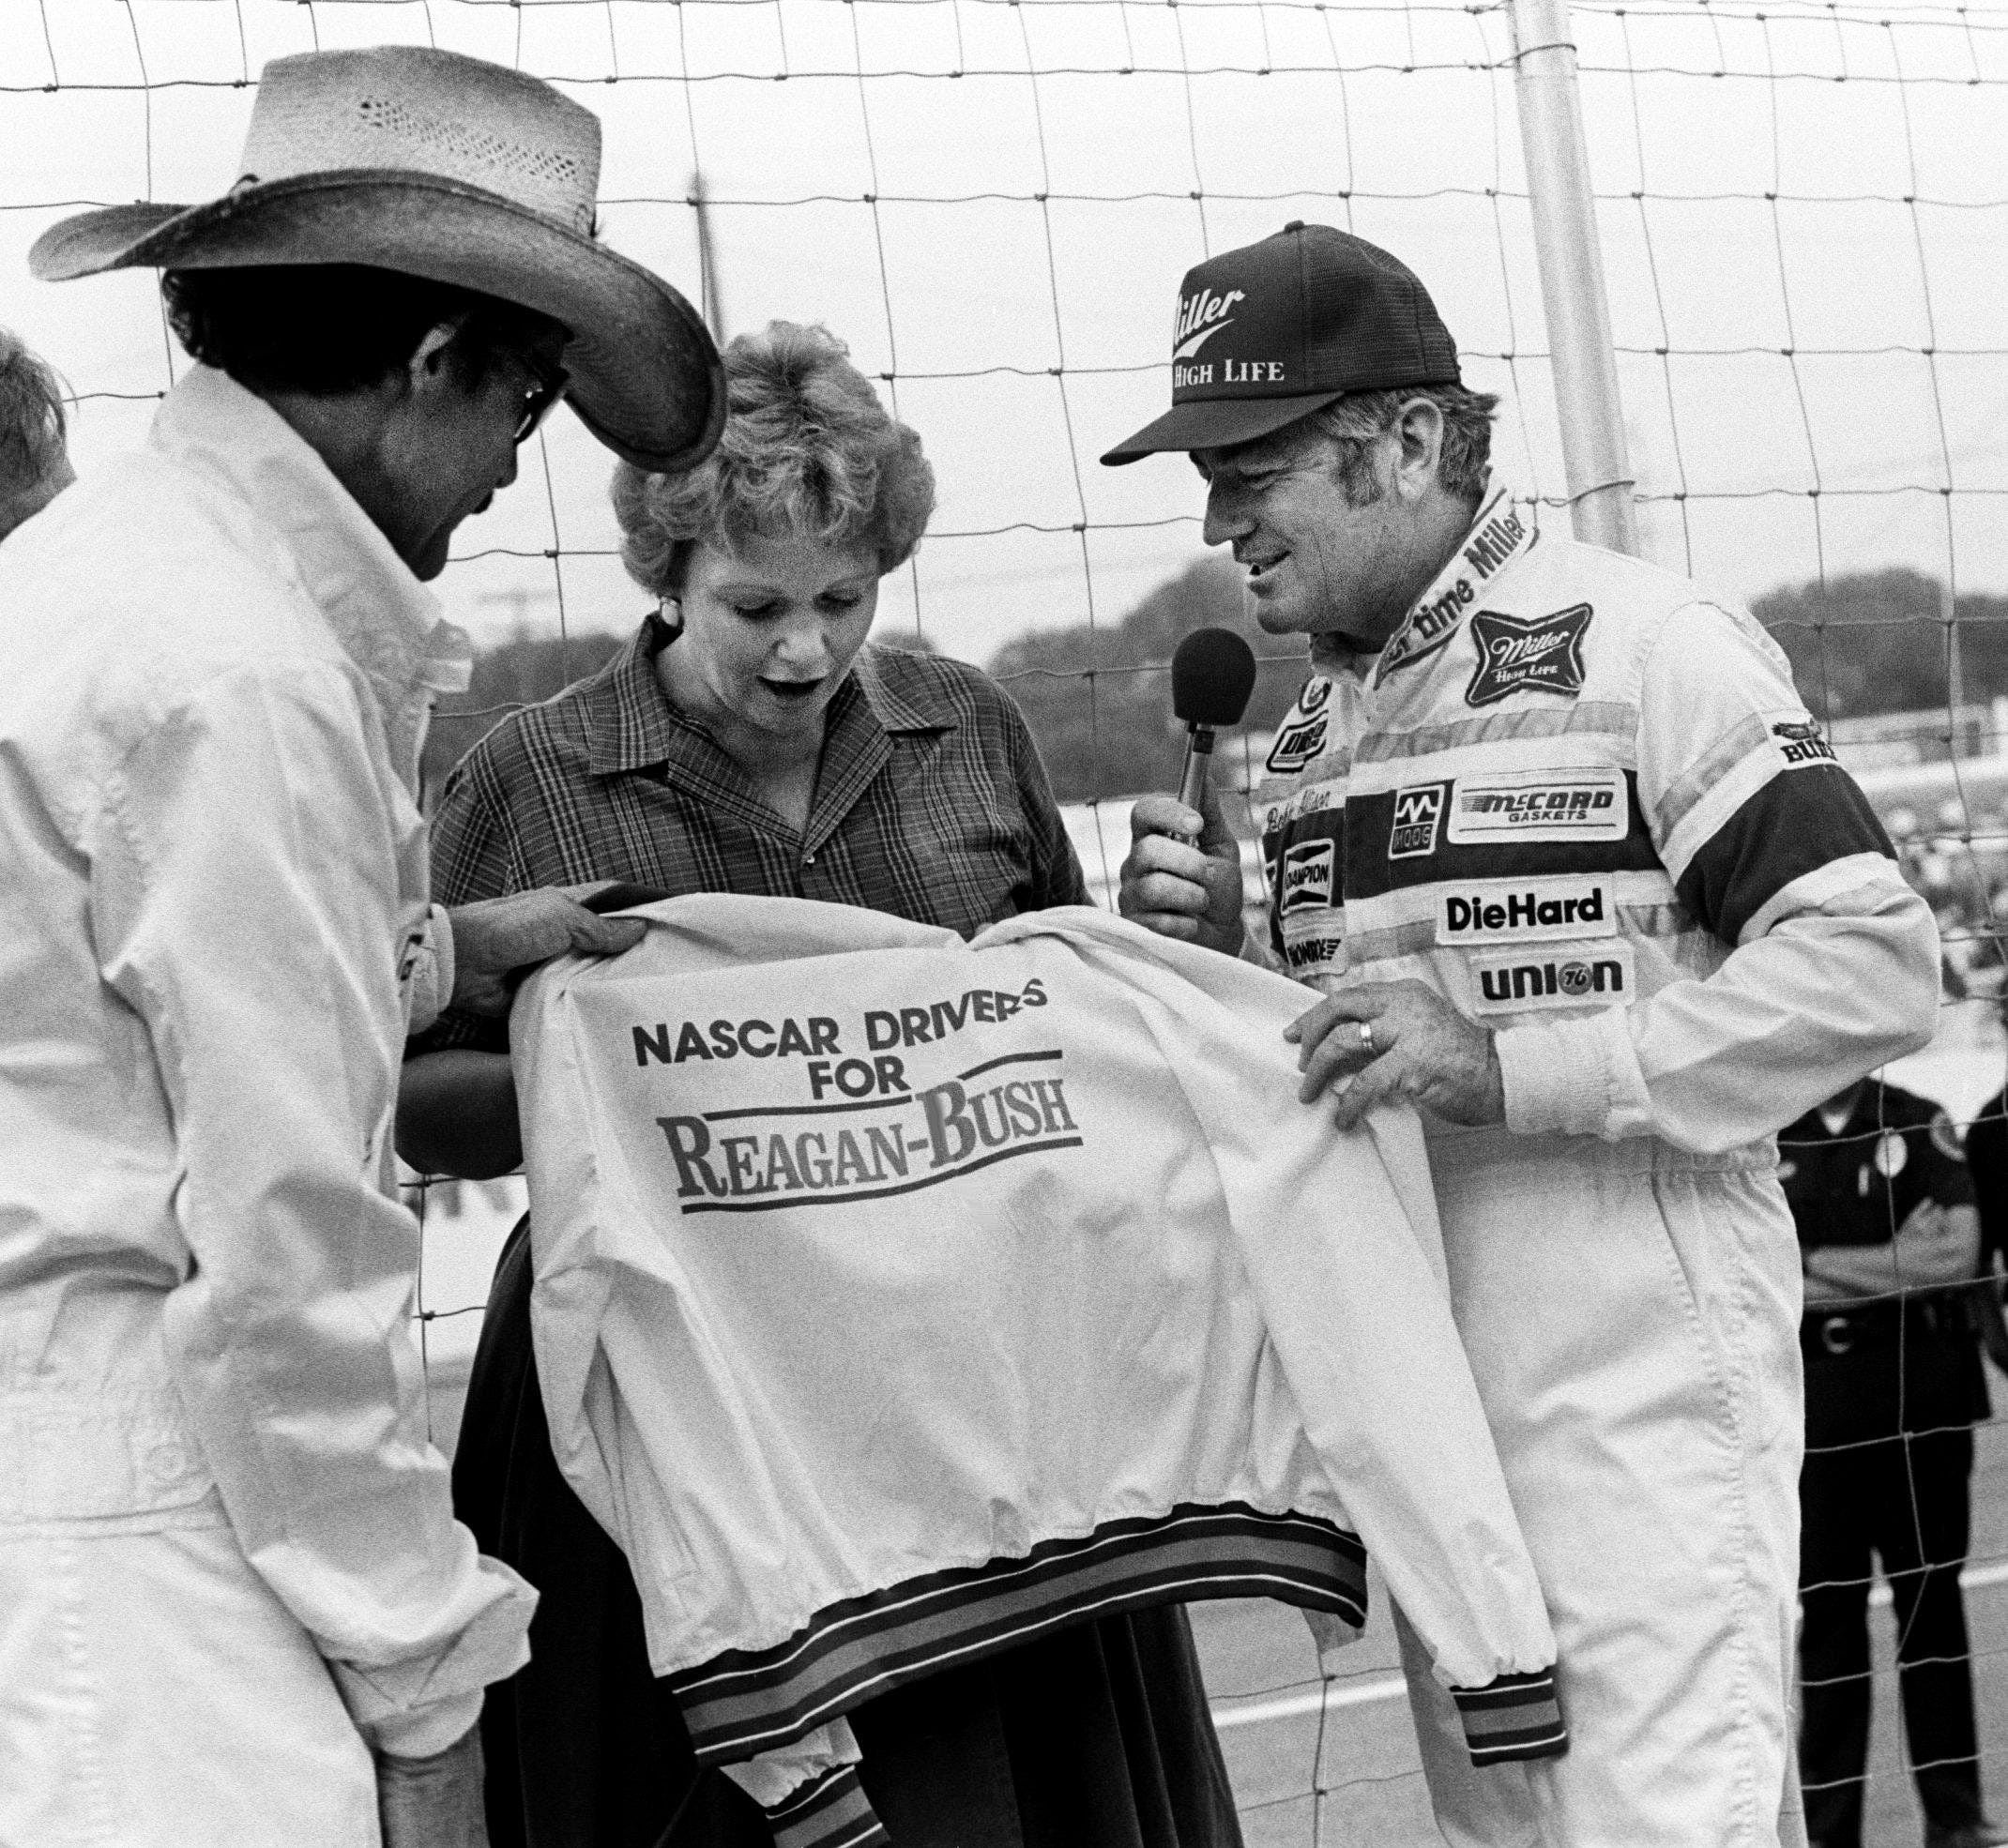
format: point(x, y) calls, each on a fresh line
point(1572, 276)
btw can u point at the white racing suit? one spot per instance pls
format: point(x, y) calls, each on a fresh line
point(1588, 809)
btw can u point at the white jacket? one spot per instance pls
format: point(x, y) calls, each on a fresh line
point(898, 1298)
point(1589, 807)
point(214, 677)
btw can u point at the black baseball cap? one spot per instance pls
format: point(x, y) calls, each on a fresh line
point(1273, 331)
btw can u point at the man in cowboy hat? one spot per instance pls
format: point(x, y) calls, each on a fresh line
point(234, 1605)
point(34, 463)
point(1576, 872)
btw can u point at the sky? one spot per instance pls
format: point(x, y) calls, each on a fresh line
point(1802, 209)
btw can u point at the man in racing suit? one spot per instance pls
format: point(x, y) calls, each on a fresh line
point(1575, 871)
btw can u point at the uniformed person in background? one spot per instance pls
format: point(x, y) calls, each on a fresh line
point(1879, 1188)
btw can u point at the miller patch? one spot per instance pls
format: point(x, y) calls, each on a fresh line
point(1528, 654)
point(1418, 817)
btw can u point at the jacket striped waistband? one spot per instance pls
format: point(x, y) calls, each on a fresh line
point(751, 1700)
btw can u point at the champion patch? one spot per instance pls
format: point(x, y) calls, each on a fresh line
point(1306, 875)
point(1800, 742)
point(1523, 981)
point(1590, 803)
point(1418, 817)
point(1528, 654)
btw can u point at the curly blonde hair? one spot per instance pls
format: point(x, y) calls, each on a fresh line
point(807, 448)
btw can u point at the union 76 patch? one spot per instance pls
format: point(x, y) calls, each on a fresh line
point(1533, 654)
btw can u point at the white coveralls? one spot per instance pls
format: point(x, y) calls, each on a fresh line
point(228, 1559)
point(1587, 807)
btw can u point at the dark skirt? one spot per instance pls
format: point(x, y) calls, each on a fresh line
point(1096, 1738)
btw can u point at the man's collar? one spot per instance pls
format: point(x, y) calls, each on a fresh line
point(1502, 531)
point(632, 725)
point(384, 619)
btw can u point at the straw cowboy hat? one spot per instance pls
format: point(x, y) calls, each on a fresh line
point(459, 171)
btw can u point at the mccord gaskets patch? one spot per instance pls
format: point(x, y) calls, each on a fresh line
point(1536, 654)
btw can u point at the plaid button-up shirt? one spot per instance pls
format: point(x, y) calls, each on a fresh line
point(931, 803)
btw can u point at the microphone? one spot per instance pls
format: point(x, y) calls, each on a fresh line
point(1212, 674)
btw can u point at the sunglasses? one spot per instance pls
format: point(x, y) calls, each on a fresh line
point(548, 383)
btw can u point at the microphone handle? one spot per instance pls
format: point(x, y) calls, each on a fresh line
point(1193, 781)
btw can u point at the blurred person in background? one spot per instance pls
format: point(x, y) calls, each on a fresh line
point(33, 461)
point(749, 739)
point(1576, 874)
point(234, 1604)
point(1884, 1205)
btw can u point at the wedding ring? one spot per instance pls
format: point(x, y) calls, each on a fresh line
point(1366, 1035)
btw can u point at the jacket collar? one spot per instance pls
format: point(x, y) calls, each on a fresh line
point(1501, 534)
point(384, 620)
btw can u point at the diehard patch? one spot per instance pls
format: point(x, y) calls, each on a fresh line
point(1523, 981)
point(1585, 804)
point(1306, 871)
point(1494, 911)
point(1800, 742)
point(1418, 817)
point(1528, 654)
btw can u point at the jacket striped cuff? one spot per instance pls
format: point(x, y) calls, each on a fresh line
point(833, 1811)
point(1518, 1715)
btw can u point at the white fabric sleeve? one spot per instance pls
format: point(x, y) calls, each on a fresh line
point(245, 906)
point(1771, 845)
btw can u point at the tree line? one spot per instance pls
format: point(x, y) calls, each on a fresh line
point(1098, 698)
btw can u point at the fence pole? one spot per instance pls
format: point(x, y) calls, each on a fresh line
point(1598, 472)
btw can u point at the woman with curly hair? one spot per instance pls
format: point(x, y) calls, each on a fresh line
point(751, 741)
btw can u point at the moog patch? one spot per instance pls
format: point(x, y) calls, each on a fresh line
point(1589, 803)
point(1418, 819)
point(1497, 911)
point(1523, 981)
point(1528, 654)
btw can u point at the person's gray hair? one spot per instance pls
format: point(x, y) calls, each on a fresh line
point(1355, 421)
point(808, 449)
point(33, 427)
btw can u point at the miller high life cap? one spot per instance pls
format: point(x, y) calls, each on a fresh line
point(1273, 331)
